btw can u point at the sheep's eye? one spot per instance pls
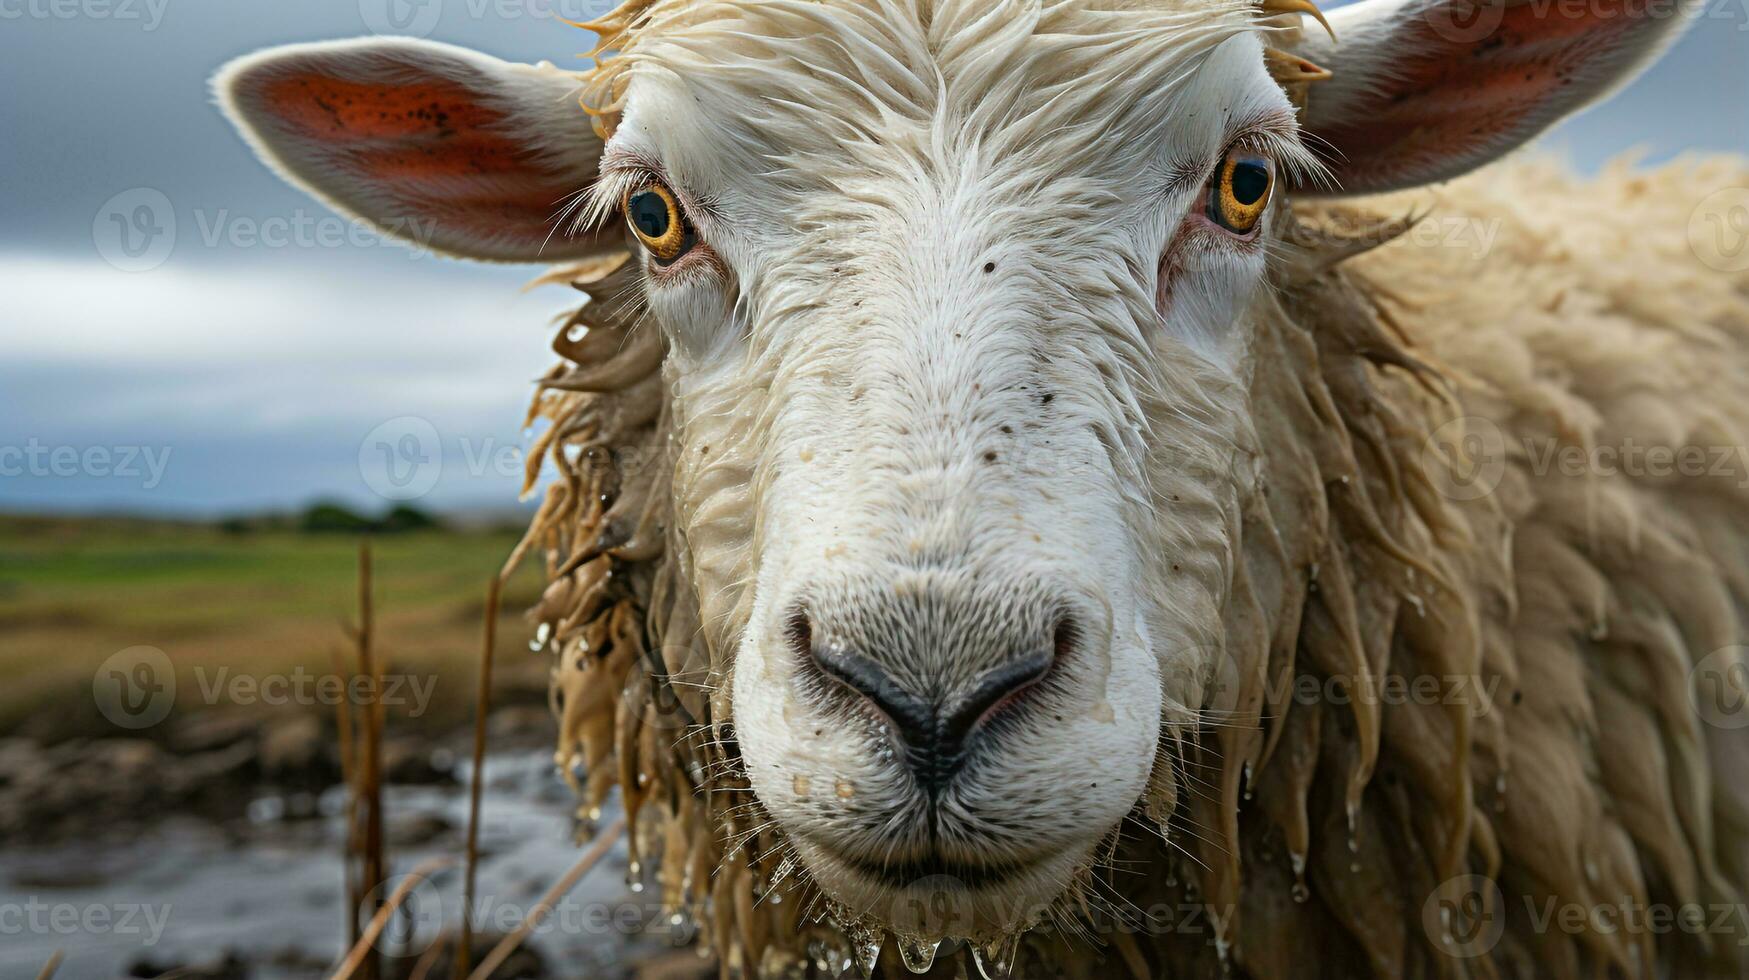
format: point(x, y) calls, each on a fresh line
point(655, 218)
point(1240, 192)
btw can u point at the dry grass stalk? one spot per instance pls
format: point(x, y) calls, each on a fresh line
point(348, 767)
point(362, 767)
point(482, 707)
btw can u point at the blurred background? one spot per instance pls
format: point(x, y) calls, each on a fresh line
point(210, 388)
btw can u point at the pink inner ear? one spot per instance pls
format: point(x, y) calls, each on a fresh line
point(1452, 100)
point(431, 147)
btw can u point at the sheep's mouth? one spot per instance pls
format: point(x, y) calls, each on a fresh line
point(936, 870)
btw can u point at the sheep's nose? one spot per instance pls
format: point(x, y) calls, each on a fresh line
point(933, 701)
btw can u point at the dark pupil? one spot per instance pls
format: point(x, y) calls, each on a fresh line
point(649, 214)
point(1250, 182)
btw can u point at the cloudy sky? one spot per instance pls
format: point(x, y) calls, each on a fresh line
point(272, 354)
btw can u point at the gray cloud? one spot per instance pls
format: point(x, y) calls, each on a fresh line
point(273, 338)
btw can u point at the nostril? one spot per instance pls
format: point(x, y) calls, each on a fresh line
point(992, 691)
point(912, 715)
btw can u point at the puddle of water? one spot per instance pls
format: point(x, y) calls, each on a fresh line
point(187, 891)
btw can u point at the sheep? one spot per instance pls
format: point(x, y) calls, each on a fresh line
point(1033, 498)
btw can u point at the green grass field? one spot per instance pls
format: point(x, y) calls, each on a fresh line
point(262, 602)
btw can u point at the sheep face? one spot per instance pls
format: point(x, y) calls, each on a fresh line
point(958, 400)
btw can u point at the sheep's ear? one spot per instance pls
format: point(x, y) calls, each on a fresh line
point(1425, 90)
point(453, 150)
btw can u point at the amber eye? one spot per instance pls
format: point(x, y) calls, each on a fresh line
point(655, 218)
point(1240, 192)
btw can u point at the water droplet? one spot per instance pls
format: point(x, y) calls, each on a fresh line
point(1301, 892)
point(918, 955)
point(866, 949)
